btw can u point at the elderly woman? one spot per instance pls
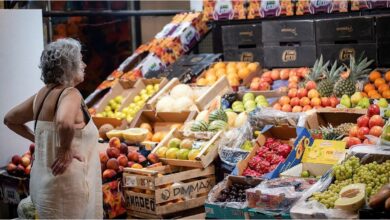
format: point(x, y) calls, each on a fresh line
point(66, 175)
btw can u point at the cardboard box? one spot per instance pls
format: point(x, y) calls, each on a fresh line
point(288, 31)
point(358, 29)
point(318, 158)
point(333, 116)
point(289, 55)
point(244, 54)
point(164, 186)
point(210, 92)
point(256, 214)
point(299, 138)
point(224, 211)
point(208, 153)
point(224, 10)
point(261, 9)
point(316, 7)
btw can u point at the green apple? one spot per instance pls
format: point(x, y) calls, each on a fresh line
point(156, 87)
point(228, 110)
point(150, 92)
point(383, 103)
point(305, 174)
point(237, 103)
point(137, 98)
point(260, 98)
point(250, 104)
point(110, 114)
point(99, 115)
point(364, 103)
point(111, 102)
point(262, 104)
point(149, 88)
point(129, 119)
point(248, 96)
point(387, 113)
point(132, 105)
point(144, 96)
point(143, 92)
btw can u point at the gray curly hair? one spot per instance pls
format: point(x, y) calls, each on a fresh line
point(61, 62)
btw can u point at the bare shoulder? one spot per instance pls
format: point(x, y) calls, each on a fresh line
point(71, 94)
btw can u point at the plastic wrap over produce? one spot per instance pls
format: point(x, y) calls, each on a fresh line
point(261, 117)
point(232, 147)
point(306, 207)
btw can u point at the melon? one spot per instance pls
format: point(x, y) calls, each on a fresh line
point(104, 129)
point(114, 133)
point(218, 114)
point(217, 125)
point(199, 126)
point(132, 135)
point(351, 197)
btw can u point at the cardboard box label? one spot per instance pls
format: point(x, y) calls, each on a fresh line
point(141, 203)
point(136, 181)
point(325, 152)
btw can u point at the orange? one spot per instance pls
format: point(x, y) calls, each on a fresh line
point(211, 79)
point(376, 96)
point(379, 82)
point(253, 67)
point(231, 65)
point(368, 87)
point(364, 94)
point(219, 65)
point(383, 88)
point(372, 92)
point(387, 76)
point(386, 94)
point(231, 70)
point(241, 65)
point(220, 72)
point(375, 74)
point(210, 72)
point(243, 73)
point(201, 82)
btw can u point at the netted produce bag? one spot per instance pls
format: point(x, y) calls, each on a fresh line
point(235, 144)
point(261, 117)
point(26, 209)
point(347, 186)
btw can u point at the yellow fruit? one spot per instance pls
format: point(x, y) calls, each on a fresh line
point(219, 65)
point(211, 79)
point(253, 66)
point(202, 82)
point(243, 73)
point(146, 126)
point(231, 65)
point(193, 153)
point(161, 152)
point(210, 72)
point(220, 72)
point(234, 82)
point(171, 153)
point(241, 65)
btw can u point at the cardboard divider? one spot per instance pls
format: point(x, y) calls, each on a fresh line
point(333, 116)
point(299, 138)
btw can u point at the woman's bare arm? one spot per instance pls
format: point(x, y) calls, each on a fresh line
point(17, 118)
point(66, 115)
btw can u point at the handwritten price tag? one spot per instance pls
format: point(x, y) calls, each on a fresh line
point(130, 181)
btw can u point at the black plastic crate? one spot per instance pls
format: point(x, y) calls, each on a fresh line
point(383, 28)
point(345, 30)
point(384, 54)
point(289, 55)
point(244, 54)
point(235, 36)
point(288, 31)
point(342, 52)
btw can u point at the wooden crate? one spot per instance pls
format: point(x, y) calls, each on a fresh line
point(203, 159)
point(219, 88)
point(164, 190)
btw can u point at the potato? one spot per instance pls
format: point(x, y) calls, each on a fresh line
point(379, 199)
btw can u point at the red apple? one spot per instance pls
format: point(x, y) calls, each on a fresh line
point(20, 169)
point(275, 74)
point(306, 108)
point(362, 121)
point(266, 74)
point(112, 164)
point(109, 173)
point(284, 74)
point(11, 168)
point(27, 171)
point(122, 159)
point(123, 149)
point(286, 108)
point(373, 109)
point(16, 159)
point(362, 132)
point(376, 131)
point(315, 102)
point(333, 101)
point(32, 148)
point(313, 93)
point(311, 85)
point(256, 79)
point(103, 157)
point(294, 101)
point(133, 156)
point(292, 93)
point(266, 79)
point(115, 142)
point(304, 101)
point(354, 131)
point(25, 161)
point(264, 86)
point(254, 86)
point(376, 120)
point(297, 109)
point(351, 141)
point(113, 152)
point(325, 101)
point(302, 92)
point(284, 100)
point(367, 141)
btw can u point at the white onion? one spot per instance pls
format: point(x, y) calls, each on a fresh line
point(182, 90)
point(241, 119)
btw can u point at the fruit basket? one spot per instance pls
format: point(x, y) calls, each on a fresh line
point(178, 150)
point(166, 189)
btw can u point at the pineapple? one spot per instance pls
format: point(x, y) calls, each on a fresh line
point(346, 85)
point(344, 128)
point(325, 87)
point(330, 133)
point(317, 70)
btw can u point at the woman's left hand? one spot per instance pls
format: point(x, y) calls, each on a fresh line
point(63, 160)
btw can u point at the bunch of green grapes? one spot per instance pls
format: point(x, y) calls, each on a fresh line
point(374, 175)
